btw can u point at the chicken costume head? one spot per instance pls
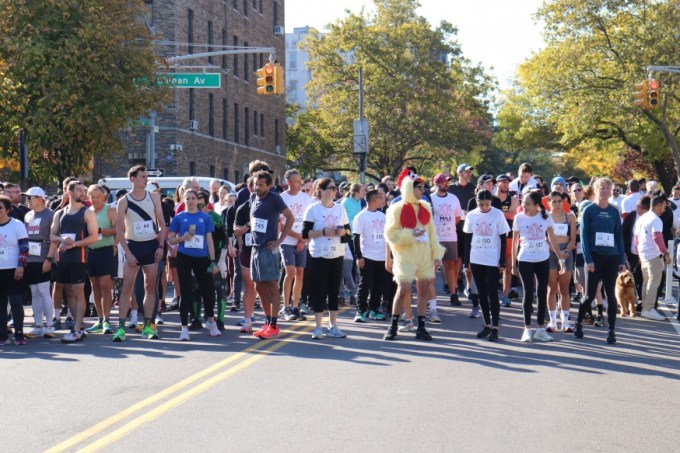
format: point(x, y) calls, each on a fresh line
point(409, 218)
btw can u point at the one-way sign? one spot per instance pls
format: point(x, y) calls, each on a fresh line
point(155, 172)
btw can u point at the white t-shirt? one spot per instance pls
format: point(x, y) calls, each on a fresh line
point(10, 233)
point(445, 210)
point(486, 228)
point(297, 205)
point(323, 217)
point(629, 204)
point(648, 224)
point(617, 201)
point(371, 227)
point(515, 185)
point(533, 245)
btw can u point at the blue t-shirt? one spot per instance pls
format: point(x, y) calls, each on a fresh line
point(198, 245)
point(264, 217)
point(601, 232)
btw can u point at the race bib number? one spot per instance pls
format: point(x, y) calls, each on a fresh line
point(248, 240)
point(604, 239)
point(579, 248)
point(34, 248)
point(379, 237)
point(482, 242)
point(534, 247)
point(329, 249)
point(68, 236)
point(143, 228)
point(100, 237)
point(259, 225)
point(3, 255)
point(196, 242)
point(561, 229)
point(423, 239)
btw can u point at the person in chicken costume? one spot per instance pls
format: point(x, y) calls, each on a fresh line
point(412, 238)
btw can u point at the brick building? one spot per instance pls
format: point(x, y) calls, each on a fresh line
point(213, 132)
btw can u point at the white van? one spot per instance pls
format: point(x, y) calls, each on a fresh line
point(168, 184)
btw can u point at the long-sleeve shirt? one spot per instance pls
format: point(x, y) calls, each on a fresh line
point(601, 233)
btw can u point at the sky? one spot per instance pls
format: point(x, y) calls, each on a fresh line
point(496, 33)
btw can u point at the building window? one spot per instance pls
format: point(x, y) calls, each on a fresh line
point(235, 57)
point(190, 29)
point(234, 4)
point(246, 133)
point(261, 7)
point(236, 123)
point(255, 68)
point(245, 62)
point(261, 60)
point(224, 43)
point(275, 14)
point(192, 168)
point(224, 118)
point(237, 177)
point(212, 171)
point(292, 61)
point(245, 8)
point(210, 41)
point(262, 124)
point(255, 123)
point(192, 109)
point(211, 115)
point(276, 133)
point(225, 174)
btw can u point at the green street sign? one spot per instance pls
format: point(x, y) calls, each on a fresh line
point(192, 79)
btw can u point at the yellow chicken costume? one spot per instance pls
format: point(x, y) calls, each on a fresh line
point(413, 256)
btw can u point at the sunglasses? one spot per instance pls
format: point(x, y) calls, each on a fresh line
point(331, 188)
point(578, 190)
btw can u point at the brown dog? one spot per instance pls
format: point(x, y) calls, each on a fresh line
point(625, 293)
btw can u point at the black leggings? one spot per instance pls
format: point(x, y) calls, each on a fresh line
point(486, 278)
point(371, 279)
point(11, 292)
point(527, 272)
point(199, 266)
point(326, 275)
point(606, 269)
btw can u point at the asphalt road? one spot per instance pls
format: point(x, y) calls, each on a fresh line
point(294, 394)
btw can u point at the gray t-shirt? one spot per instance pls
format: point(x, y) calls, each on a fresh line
point(264, 217)
point(38, 225)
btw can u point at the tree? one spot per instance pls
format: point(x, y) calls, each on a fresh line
point(423, 100)
point(71, 79)
point(583, 80)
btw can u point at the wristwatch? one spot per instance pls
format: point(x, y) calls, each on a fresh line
point(50, 259)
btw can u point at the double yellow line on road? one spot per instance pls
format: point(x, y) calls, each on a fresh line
point(260, 349)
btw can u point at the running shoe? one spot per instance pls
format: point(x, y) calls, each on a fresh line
point(4, 342)
point(106, 328)
point(599, 321)
point(303, 309)
point(149, 333)
point(566, 327)
point(235, 307)
point(56, 323)
point(246, 329)
point(35, 332)
point(139, 327)
point(132, 324)
point(407, 326)
point(542, 335)
point(505, 301)
point(376, 315)
point(196, 325)
point(317, 333)
point(455, 302)
point(71, 337)
point(445, 289)
point(551, 328)
point(184, 335)
point(69, 324)
point(288, 314)
point(49, 332)
point(335, 332)
point(526, 336)
point(159, 319)
point(423, 334)
point(212, 327)
point(578, 330)
point(360, 316)
point(119, 335)
point(259, 332)
point(493, 336)
point(513, 295)
point(611, 338)
point(220, 325)
point(271, 332)
point(298, 314)
point(485, 332)
point(97, 327)
point(434, 317)
point(20, 341)
point(474, 313)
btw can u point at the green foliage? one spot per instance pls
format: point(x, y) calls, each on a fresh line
point(420, 109)
point(70, 66)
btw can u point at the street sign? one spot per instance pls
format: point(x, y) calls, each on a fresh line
point(192, 79)
point(360, 137)
point(155, 172)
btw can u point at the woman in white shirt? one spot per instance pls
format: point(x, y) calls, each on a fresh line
point(327, 227)
point(532, 231)
point(487, 256)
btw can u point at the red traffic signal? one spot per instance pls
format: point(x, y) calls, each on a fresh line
point(653, 90)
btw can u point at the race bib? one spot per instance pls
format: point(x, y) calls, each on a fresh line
point(248, 240)
point(379, 237)
point(329, 249)
point(482, 242)
point(143, 228)
point(196, 242)
point(561, 229)
point(579, 248)
point(34, 248)
point(68, 236)
point(3, 255)
point(604, 239)
point(534, 247)
point(423, 239)
point(259, 225)
point(100, 237)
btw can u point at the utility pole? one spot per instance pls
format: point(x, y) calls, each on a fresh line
point(151, 156)
point(361, 132)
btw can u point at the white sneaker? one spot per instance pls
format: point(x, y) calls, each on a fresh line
point(184, 336)
point(212, 327)
point(49, 332)
point(35, 332)
point(652, 314)
point(317, 333)
point(407, 326)
point(526, 336)
point(434, 318)
point(335, 332)
point(542, 335)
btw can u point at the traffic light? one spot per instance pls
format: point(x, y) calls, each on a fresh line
point(266, 79)
point(279, 82)
point(653, 90)
point(641, 95)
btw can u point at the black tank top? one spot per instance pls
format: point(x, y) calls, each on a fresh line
point(74, 225)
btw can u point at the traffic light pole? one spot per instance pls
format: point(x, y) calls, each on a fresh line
point(650, 69)
point(362, 157)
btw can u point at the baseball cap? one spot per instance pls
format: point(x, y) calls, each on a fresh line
point(35, 192)
point(502, 177)
point(484, 178)
point(343, 185)
point(441, 178)
point(558, 179)
point(573, 179)
point(464, 167)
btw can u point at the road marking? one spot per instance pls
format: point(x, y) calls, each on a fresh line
point(668, 313)
point(101, 426)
